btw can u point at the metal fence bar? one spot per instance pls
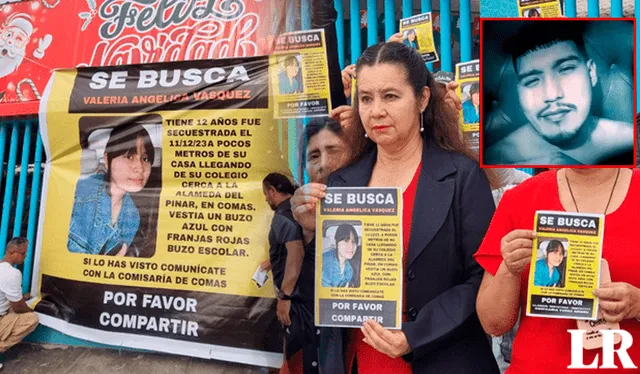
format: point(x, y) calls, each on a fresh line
point(570, 8)
point(33, 214)
point(8, 188)
point(407, 8)
point(372, 22)
point(593, 10)
point(465, 30)
point(305, 14)
point(637, 14)
point(340, 31)
point(425, 7)
point(356, 44)
point(22, 183)
point(616, 8)
point(389, 19)
point(445, 35)
point(3, 137)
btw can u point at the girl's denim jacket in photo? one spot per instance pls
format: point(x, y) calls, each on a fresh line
point(90, 231)
point(332, 276)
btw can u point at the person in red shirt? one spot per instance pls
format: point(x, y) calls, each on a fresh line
point(543, 345)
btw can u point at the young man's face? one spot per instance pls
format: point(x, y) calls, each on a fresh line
point(555, 90)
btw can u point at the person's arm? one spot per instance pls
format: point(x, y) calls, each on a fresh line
point(498, 301)
point(12, 289)
point(295, 255)
point(20, 306)
point(440, 318)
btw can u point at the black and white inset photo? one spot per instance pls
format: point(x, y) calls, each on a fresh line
point(558, 92)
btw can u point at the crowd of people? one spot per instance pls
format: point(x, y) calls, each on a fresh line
point(402, 130)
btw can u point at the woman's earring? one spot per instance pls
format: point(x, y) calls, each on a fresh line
point(421, 121)
point(366, 135)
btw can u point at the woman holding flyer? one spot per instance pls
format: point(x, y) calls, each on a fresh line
point(544, 344)
point(414, 143)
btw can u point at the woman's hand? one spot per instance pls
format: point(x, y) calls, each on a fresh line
point(392, 343)
point(303, 204)
point(397, 37)
point(516, 248)
point(618, 301)
point(344, 115)
point(347, 79)
point(451, 97)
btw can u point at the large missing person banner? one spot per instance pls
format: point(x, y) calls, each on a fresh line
point(153, 215)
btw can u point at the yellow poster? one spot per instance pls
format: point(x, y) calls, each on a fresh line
point(417, 33)
point(468, 78)
point(359, 257)
point(300, 75)
point(539, 8)
point(153, 211)
point(565, 265)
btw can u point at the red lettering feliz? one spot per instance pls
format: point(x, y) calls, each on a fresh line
point(204, 40)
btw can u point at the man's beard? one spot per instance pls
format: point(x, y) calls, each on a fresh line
point(10, 60)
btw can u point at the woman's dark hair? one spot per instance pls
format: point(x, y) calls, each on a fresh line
point(280, 182)
point(345, 232)
point(321, 123)
point(532, 12)
point(123, 140)
point(291, 60)
point(317, 124)
point(555, 245)
point(441, 121)
point(475, 88)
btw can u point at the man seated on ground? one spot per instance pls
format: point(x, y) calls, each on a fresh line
point(555, 86)
point(17, 320)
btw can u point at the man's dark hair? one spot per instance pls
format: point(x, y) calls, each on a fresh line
point(17, 241)
point(555, 245)
point(536, 35)
point(280, 182)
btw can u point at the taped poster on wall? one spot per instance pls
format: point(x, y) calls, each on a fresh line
point(153, 215)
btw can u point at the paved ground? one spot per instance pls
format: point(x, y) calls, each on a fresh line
point(50, 359)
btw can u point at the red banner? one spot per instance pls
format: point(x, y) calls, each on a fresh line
point(37, 37)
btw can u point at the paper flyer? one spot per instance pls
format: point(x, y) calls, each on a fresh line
point(468, 78)
point(299, 74)
point(417, 32)
point(565, 265)
point(539, 8)
point(359, 257)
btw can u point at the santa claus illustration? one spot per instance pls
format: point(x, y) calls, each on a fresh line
point(15, 33)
